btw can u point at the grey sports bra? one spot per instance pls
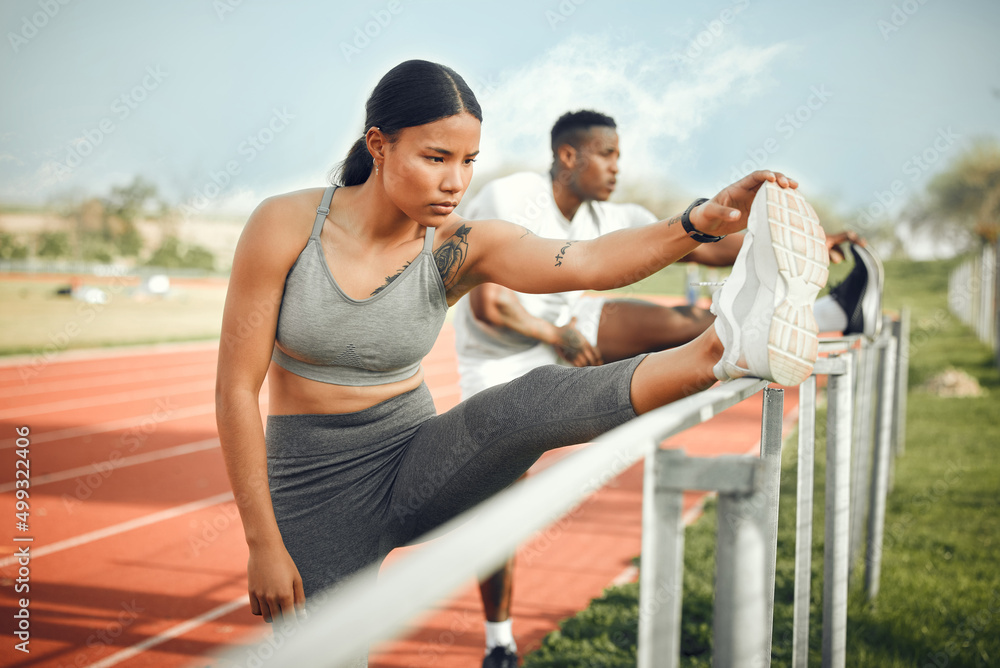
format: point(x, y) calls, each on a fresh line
point(327, 336)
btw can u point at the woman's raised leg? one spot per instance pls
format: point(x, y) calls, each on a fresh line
point(673, 374)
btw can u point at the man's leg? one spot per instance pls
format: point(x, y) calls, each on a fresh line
point(496, 591)
point(630, 327)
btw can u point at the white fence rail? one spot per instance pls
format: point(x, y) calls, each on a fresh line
point(359, 613)
point(973, 288)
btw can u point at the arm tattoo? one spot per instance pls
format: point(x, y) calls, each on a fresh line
point(389, 279)
point(527, 232)
point(562, 253)
point(451, 256)
point(673, 221)
point(571, 340)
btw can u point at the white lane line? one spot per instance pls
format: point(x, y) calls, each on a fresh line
point(122, 527)
point(113, 425)
point(126, 423)
point(15, 362)
point(630, 574)
point(89, 381)
point(173, 632)
point(105, 467)
point(108, 399)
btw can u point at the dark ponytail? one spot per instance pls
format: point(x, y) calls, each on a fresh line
point(356, 167)
point(412, 93)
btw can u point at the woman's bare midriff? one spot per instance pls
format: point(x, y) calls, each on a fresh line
point(289, 394)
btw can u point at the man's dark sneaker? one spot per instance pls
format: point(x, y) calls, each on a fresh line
point(860, 294)
point(500, 657)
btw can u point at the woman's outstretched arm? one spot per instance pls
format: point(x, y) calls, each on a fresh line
point(507, 254)
point(263, 258)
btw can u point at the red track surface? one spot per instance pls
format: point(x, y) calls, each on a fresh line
point(138, 556)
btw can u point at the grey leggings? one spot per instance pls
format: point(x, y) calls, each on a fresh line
point(348, 488)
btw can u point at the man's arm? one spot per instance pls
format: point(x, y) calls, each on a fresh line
point(500, 307)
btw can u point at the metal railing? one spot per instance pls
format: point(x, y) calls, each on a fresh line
point(359, 613)
point(973, 289)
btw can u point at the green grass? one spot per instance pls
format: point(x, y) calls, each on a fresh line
point(939, 602)
point(671, 280)
point(35, 320)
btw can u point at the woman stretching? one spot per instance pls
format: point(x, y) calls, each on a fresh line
point(338, 293)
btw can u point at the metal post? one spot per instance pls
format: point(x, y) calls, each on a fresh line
point(862, 454)
point(769, 491)
point(739, 629)
point(661, 581)
point(996, 303)
point(803, 523)
point(975, 272)
point(837, 534)
point(986, 280)
point(902, 381)
point(880, 474)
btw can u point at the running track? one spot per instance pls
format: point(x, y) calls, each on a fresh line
point(138, 557)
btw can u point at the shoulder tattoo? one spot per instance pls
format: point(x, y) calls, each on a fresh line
point(450, 256)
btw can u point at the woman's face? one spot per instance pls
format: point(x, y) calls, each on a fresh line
point(428, 168)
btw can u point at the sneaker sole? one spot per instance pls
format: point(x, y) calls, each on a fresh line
point(798, 249)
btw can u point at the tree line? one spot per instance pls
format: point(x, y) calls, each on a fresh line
point(104, 230)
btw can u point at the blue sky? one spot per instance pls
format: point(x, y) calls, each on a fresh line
point(850, 97)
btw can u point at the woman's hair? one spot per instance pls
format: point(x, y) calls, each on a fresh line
point(412, 93)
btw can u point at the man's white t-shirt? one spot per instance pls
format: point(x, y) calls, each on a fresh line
point(526, 199)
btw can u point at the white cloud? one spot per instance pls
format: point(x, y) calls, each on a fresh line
point(658, 98)
point(237, 201)
point(240, 201)
point(48, 174)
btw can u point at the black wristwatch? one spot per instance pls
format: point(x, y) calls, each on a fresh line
point(689, 228)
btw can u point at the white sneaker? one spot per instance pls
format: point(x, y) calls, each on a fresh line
point(764, 310)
